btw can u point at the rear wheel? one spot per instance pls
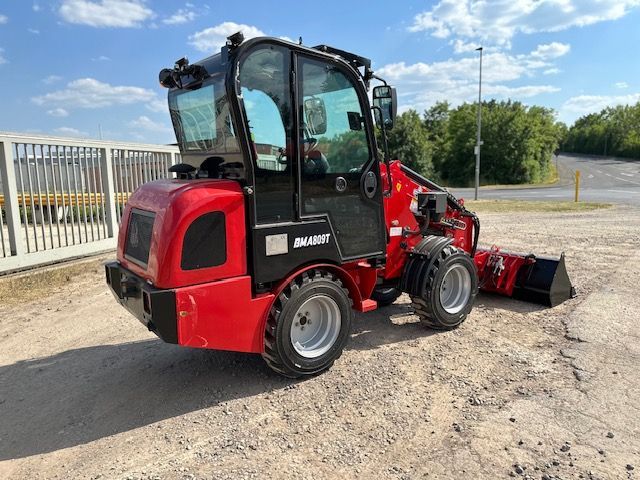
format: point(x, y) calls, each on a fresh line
point(450, 288)
point(385, 295)
point(308, 325)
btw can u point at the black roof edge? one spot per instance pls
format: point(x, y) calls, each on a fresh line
point(358, 60)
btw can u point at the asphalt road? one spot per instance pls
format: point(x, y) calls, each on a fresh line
point(603, 179)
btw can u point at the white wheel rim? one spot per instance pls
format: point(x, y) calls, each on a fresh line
point(316, 326)
point(455, 289)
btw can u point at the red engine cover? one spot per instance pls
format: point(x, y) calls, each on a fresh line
point(177, 203)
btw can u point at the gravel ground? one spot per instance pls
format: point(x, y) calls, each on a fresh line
point(516, 391)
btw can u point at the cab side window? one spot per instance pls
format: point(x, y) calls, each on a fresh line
point(334, 156)
point(332, 133)
point(264, 80)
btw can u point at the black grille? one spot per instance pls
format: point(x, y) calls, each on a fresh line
point(139, 234)
point(205, 243)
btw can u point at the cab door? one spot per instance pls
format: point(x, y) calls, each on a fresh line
point(339, 176)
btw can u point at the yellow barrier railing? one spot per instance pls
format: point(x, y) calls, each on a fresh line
point(65, 199)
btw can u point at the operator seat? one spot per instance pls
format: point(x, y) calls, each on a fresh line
point(316, 163)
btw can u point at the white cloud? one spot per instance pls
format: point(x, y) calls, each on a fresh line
point(70, 132)
point(518, 92)
point(158, 105)
point(3, 19)
point(456, 80)
point(584, 104)
point(145, 123)
point(183, 15)
point(36, 7)
point(101, 58)
point(621, 85)
point(2, 59)
point(51, 79)
point(496, 67)
point(498, 21)
point(551, 71)
point(91, 93)
point(551, 50)
point(58, 112)
point(35, 31)
point(462, 47)
point(105, 13)
point(211, 39)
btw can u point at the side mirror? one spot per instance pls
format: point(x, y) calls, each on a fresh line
point(315, 115)
point(385, 98)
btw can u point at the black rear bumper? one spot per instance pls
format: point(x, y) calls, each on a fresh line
point(155, 308)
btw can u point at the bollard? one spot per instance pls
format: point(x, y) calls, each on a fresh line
point(577, 184)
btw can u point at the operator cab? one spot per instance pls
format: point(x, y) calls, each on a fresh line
point(292, 125)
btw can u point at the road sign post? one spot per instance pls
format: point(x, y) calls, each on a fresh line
point(577, 184)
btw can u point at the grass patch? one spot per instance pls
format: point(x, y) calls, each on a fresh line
point(33, 285)
point(552, 175)
point(499, 206)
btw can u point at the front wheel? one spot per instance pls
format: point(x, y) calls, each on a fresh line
point(308, 326)
point(450, 288)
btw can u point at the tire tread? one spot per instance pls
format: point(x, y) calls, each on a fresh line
point(271, 355)
point(423, 308)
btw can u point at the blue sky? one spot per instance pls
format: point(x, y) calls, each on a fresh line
point(68, 66)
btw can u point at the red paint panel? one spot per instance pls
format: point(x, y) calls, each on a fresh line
point(364, 276)
point(222, 315)
point(499, 280)
point(397, 214)
point(177, 203)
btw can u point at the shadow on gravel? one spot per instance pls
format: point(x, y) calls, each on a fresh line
point(86, 394)
point(385, 326)
point(498, 302)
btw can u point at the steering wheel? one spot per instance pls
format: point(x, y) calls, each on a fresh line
point(282, 156)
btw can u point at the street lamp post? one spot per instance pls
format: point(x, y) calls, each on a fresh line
point(478, 141)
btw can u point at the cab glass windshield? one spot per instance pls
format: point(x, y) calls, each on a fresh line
point(202, 120)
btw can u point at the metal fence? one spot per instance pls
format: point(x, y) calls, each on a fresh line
point(62, 198)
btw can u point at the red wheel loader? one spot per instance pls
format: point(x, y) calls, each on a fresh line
point(285, 217)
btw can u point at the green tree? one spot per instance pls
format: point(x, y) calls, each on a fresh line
point(408, 142)
point(613, 131)
point(518, 143)
point(436, 123)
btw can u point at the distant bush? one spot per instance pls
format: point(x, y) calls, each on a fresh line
point(519, 142)
point(614, 131)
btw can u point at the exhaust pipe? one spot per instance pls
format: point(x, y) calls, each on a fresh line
point(544, 281)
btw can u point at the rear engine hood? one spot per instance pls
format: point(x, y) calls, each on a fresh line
point(175, 204)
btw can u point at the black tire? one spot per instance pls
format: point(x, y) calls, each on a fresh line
point(428, 306)
point(279, 351)
point(385, 295)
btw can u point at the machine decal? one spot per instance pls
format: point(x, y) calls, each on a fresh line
point(277, 244)
point(311, 240)
point(395, 231)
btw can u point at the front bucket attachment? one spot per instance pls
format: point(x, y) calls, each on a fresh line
point(544, 281)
